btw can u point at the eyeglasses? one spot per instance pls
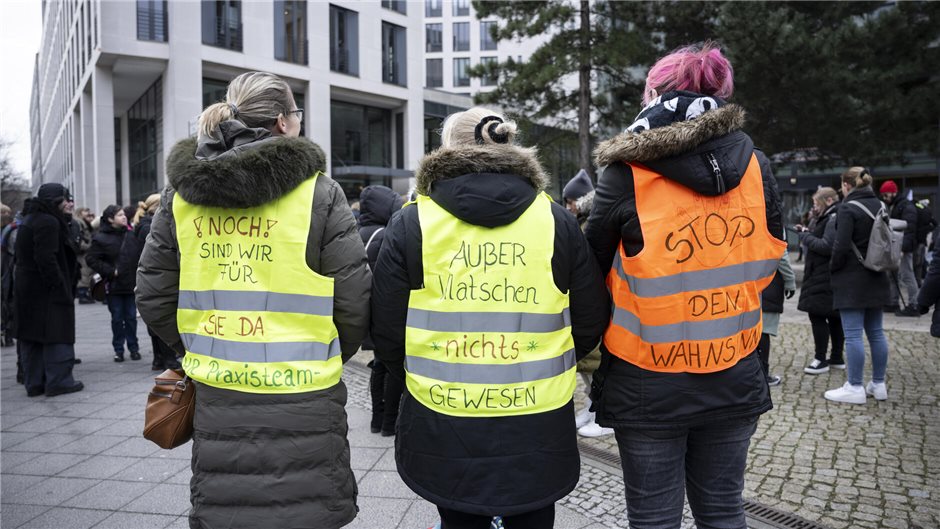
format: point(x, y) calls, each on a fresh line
point(299, 112)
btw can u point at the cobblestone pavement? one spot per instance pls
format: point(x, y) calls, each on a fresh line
point(847, 466)
point(78, 461)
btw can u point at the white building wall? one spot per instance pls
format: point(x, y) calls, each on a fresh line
point(82, 88)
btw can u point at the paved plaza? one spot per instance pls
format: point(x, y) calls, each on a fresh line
point(79, 461)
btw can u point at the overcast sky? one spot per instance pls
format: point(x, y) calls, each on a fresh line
point(20, 28)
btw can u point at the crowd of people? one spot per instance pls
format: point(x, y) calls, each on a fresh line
point(481, 299)
point(54, 255)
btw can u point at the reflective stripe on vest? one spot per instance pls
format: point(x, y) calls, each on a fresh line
point(489, 334)
point(252, 316)
point(690, 300)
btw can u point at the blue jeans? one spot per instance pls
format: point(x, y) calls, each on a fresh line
point(706, 462)
point(854, 321)
point(123, 322)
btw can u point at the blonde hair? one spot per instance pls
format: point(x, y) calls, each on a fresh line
point(477, 126)
point(147, 207)
point(824, 193)
point(254, 98)
point(856, 176)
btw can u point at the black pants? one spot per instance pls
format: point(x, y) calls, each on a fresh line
point(826, 327)
point(47, 366)
point(163, 356)
point(386, 390)
point(763, 353)
point(543, 518)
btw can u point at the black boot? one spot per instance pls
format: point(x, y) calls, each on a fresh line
point(377, 391)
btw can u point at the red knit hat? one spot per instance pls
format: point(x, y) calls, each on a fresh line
point(889, 187)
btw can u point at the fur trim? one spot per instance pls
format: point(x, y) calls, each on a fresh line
point(445, 163)
point(677, 138)
point(585, 203)
point(255, 176)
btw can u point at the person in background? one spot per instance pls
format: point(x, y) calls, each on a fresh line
point(268, 451)
point(45, 292)
point(6, 276)
point(903, 209)
point(83, 220)
point(925, 225)
point(782, 287)
point(678, 380)
point(377, 204)
point(103, 257)
point(579, 186)
point(130, 212)
point(929, 293)
point(535, 306)
point(857, 292)
point(163, 356)
point(816, 292)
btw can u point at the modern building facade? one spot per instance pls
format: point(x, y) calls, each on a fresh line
point(117, 83)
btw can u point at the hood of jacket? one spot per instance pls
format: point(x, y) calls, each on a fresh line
point(708, 154)
point(238, 167)
point(377, 204)
point(39, 205)
point(486, 186)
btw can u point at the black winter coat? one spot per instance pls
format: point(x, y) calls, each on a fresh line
point(816, 293)
point(131, 249)
point(377, 204)
point(853, 285)
point(930, 291)
point(45, 276)
point(497, 465)
point(626, 395)
point(905, 210)
point(104, 257)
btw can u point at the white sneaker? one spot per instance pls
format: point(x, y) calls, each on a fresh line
point(592, 429)
point(848, 394)
point(878, 390)
point(585, 416)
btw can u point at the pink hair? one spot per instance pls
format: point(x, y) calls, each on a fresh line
point(697, 68)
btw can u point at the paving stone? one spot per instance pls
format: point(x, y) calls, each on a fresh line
point(362, 458)
point(124, 520)
point(165, 498)
point(48, 464)
point(109, 495)
point(51, 491)
point(152, 470)
point(384, 484)
point(89, 444)
point(59, 518)
point(42, 425)
point(379, 512)
point(14, 516)
point(99, 467)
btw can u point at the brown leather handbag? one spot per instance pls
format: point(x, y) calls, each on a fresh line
point(168, 420)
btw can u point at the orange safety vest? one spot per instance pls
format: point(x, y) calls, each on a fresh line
point(690, 301)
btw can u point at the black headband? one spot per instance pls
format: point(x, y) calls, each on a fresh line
point(497, 137)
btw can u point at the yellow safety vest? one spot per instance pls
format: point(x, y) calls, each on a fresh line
point(253, 317)
point(489, 334)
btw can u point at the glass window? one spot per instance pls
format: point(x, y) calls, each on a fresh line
point(461, 36)
point(151, 20)
point(487, 42)
point(144, 138)
point(432, 8)
point(360, 135)
point(433, 37)
point(395, 5)
point(461, 8)
point(222, 24)
point(344, 40)
point(290, 31)
point(434, 77)
point(461, 77)
point(490, 76)
point(394, 56)
point(213, 91)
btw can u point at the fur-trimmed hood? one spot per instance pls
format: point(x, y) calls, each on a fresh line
point(708, 154)
point(447, 163)
point(246, 175)
point(487, 185)
point(671, 140)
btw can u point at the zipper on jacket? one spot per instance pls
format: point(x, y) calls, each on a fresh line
point(716, 172)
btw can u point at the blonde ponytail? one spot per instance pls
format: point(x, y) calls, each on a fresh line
point(254, 98)
point(477, 126)
point(857, 176)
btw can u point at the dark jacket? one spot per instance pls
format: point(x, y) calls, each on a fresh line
point(625, 394)
point(264, 460)
point(905, 210)
point(816, 292)
point(853, 285)
point(132, 248)
point(104, 257)
point(930, 291)
point(45, 275)
point(499, 465)
point(377, 204)
point(925, 223)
